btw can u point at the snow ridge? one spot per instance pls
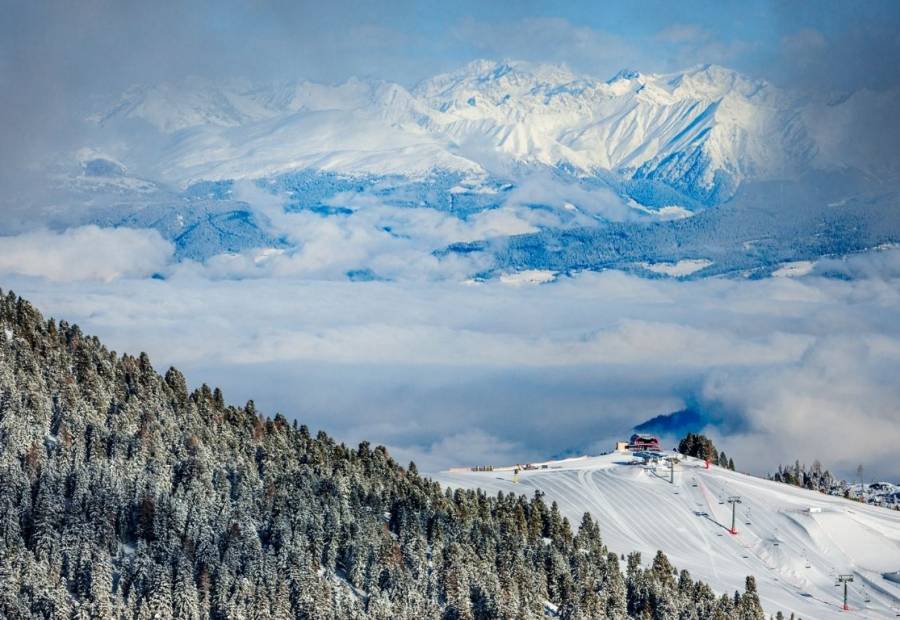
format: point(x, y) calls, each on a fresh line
point(702, 131)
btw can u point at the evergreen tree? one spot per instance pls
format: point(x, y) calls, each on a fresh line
point(702, 447)
point(749, 607)
point(124, 495)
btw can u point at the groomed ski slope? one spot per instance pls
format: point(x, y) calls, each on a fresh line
point(795, 542)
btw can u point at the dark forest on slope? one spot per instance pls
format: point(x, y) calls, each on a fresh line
point(124, 495)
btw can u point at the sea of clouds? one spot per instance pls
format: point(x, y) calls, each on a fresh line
point(446, 371)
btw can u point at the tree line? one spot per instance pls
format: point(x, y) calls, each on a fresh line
point(702, 447)
point(123, 494)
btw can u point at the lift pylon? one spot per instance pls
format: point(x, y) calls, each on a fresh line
point(734, 500)
point(844, 579)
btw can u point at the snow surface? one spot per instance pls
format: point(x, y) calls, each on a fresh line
point(673, 212)
point(682, 268)
point(781, 529)
point(703, 130)
point(528, 276)
point(794, 269)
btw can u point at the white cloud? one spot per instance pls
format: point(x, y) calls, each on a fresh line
point(839, 403)
point(553, 39)
point(684, 33)
point(393, 242)
point(803, 41)
point(467, 448)
point(543, 188)
point(85, 253)
point(792, 367)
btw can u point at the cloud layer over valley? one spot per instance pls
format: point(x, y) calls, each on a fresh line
point(449, 373)
point(633, 209)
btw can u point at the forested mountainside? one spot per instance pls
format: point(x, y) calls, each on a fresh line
point(124, 495)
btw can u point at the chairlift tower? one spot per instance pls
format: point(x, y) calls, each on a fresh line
point(844, 579)
point(734, 500)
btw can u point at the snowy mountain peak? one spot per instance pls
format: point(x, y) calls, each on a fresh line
point(495, 79)
point(714, 82)
point(702, 131)
point(624, 74)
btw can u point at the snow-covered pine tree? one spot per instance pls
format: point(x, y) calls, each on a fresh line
point(123, 494)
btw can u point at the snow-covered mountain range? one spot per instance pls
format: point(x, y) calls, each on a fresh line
point(702, 131)
point(504, 166)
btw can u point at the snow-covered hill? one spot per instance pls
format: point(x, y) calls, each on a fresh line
point(702, 131)
point(794, 541)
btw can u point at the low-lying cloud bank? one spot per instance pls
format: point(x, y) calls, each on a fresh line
point(392, 242)
point(447, 373)
point(85, 253)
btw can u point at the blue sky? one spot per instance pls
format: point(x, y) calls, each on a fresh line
point(99, 42)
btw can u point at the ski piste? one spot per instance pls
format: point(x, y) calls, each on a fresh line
point(797, 543)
